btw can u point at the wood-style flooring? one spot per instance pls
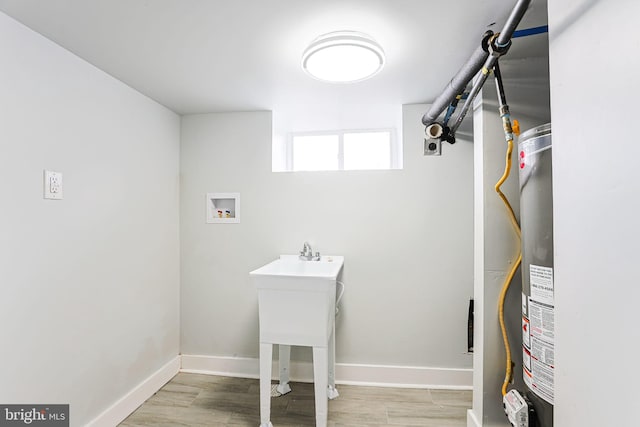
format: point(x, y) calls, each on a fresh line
point(206, 400)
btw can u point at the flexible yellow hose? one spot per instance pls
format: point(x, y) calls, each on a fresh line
point(514, 268)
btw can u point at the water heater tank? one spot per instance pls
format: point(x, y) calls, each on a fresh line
point(536, 222)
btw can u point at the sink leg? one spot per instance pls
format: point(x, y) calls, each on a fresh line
point(284, 352)
point(320, 383)
point(266, 355)
point(332, 392)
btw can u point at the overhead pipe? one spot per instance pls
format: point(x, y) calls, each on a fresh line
point(457, 84)
point(483, 58)
point(504, 39)
point(452, 107)
point(498, 45)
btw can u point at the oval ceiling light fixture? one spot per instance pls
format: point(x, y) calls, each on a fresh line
point(343, 57)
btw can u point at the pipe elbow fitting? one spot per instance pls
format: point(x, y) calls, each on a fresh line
point(497, 49)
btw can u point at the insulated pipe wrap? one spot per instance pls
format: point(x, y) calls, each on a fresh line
point(473, 65)
point(456, 85)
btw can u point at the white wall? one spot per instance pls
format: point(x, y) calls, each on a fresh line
point(406, 236)
point(89, 284)
point(594, 91)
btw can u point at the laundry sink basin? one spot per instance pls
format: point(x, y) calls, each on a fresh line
point(297, 299)
point(297, 306)
point(328, 267)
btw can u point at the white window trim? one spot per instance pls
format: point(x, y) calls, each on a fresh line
point(393, 146)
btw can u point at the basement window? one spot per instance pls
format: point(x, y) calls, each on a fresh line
point(342, 150)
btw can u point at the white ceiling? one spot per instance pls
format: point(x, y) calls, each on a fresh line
point(196, 56)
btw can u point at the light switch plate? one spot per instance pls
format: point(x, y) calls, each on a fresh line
point(52, 185)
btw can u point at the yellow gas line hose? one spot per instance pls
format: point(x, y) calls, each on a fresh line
point(514, 268)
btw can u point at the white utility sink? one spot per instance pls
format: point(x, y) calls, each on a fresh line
point(327, 267)
point(297, 306)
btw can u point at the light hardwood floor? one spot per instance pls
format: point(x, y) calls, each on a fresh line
point(206, 400)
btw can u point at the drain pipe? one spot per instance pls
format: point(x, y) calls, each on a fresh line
point(483, 58)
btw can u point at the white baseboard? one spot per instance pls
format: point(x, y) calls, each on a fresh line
point(353, 374)
point(472, 421)
point(120, 410)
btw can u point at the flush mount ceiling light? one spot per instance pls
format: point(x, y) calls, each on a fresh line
point(343, 57)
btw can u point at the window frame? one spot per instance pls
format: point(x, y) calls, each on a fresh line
point(394, 155)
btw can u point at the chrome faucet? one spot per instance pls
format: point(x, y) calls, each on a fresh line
point(306, 254)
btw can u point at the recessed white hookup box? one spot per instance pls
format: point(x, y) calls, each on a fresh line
point(223, 208)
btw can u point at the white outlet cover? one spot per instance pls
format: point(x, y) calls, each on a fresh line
point(52, 185)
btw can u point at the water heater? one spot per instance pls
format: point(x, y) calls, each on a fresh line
point(536, 221)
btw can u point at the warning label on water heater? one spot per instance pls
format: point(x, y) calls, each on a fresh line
point(541, 321)
point(539, 379)
point(541, 281)
point(538, 349)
